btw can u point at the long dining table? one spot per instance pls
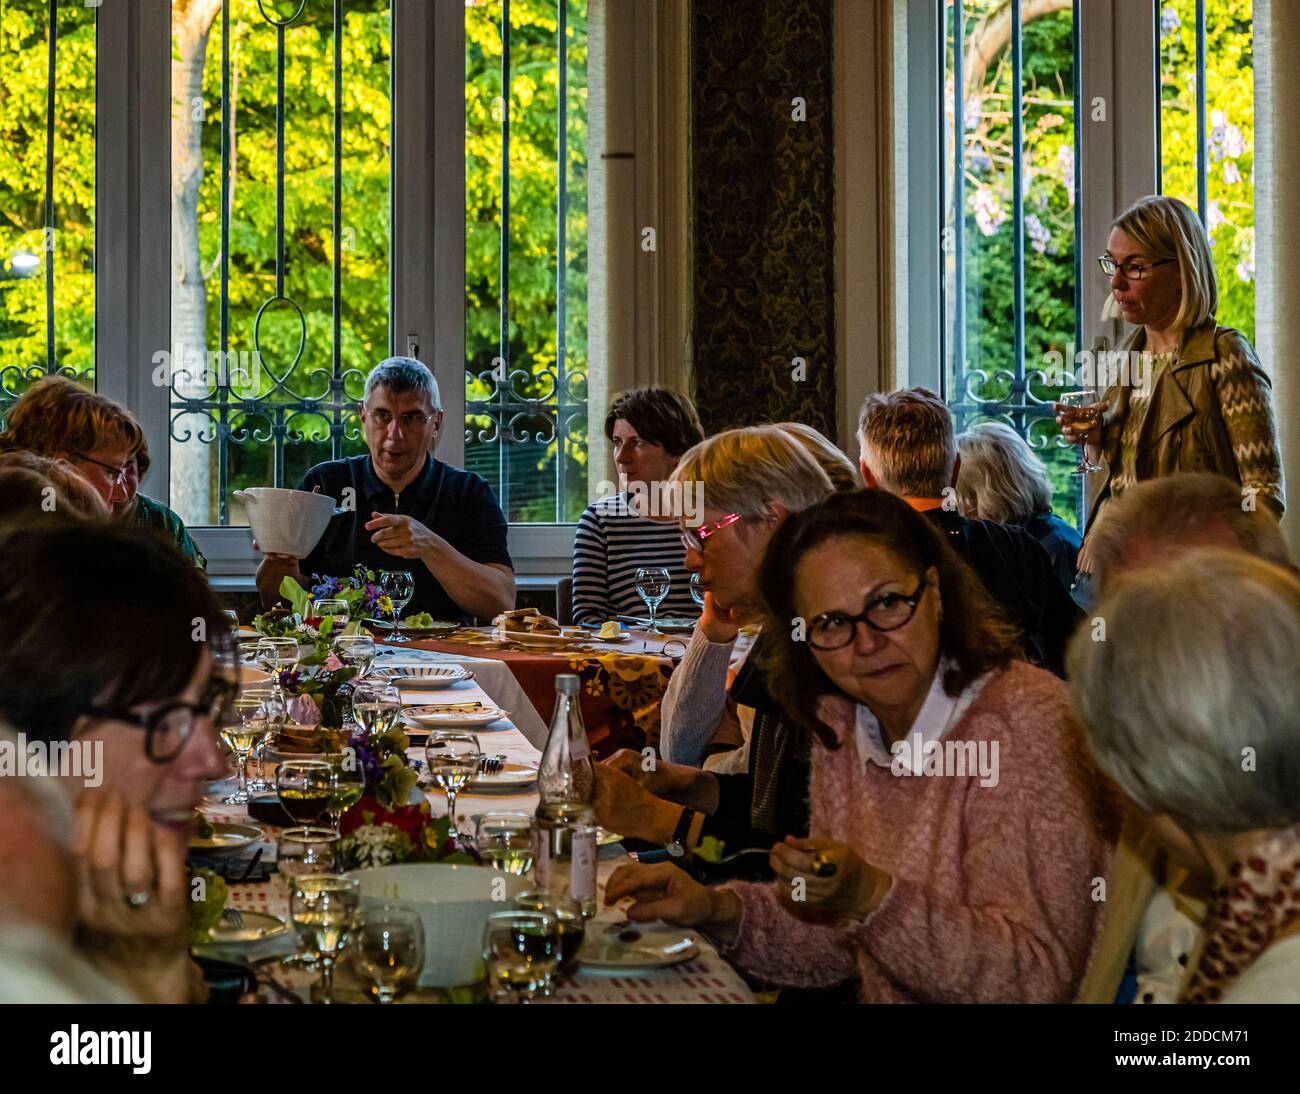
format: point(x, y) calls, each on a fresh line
point(706, 978)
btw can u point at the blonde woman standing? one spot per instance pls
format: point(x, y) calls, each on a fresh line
point(1204, 403)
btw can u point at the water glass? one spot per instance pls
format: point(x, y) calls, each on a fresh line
point(324, 908)
point(652, 585)
point(521, 950)
point(571, 925)
point(506, 841)
point(357, 650)
point(697, 593)
point(388, 951)
point(399, 587)
point(337, 610)
point(376, 707)
point(452, 758)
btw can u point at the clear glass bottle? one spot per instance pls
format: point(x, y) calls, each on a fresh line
point(566, 786)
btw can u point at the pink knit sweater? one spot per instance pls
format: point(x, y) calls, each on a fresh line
point(993, 887)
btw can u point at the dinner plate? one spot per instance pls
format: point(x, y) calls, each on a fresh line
point(670, 624)
point(510, 775)
point(430, 716)
point(540, 640)
point(257, 927)
point(422, 676)
point(636, 946)
point(226, 837)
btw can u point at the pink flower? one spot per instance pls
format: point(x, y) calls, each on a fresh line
point(332, 663)
point(303, 710)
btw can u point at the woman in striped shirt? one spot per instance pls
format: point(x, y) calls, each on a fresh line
point(650, 428)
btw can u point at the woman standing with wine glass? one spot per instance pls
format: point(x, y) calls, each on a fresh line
point(1192, 395)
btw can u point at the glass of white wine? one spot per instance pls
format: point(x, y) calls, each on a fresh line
point(453, 758)
point(323, 908)
point(506, 841)
point(389, 949)
point(257, 713)
point(1084, 414)
point(348, 787)
point(299, 853)
point(376, 707)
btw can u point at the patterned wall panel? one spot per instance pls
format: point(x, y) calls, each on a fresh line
point(764, 211)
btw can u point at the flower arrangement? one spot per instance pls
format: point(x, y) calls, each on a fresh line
point(317, 682)
point(384, 828)
point(360, 592)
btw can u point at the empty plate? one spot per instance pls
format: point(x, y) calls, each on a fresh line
point(439, 716)
point(628, 947)
point(422, 676)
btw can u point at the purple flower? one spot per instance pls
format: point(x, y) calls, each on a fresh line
point(289, 679)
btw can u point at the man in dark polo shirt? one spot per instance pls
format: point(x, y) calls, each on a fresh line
point(410, 511)
point(909, 448)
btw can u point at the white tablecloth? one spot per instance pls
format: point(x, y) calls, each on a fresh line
point(705, 979)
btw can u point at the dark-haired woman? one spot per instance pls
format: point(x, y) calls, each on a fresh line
point(957, 830)
point(649, 428)
point(124, 667)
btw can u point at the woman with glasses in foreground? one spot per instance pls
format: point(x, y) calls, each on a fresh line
point(957, 828)
point(117, 663)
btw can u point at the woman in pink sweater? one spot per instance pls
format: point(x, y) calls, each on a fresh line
point(959, 833)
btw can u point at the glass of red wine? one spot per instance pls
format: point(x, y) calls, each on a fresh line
point(304, 788)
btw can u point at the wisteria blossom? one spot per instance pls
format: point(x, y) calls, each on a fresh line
point(1169, 22)
point(1213, 218)
point(1039, 237)
point(1246, 267)
point(971, 111)
point(989, 213)
point(1231, 172)
point(1065, 160)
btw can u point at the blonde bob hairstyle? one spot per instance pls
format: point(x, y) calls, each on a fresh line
point(1197, 673)
point(741, 470)
point(1165, 227)
point(1001, 478)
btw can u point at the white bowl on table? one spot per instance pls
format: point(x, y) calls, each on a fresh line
point(453, 902)
point(287, 522)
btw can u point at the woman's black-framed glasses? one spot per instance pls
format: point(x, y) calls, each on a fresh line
point(1133, 271)
point(835, 630)
point(118, 473)
point(693, 538)
point(170, 725)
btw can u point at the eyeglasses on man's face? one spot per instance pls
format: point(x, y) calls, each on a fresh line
point(407, 422)
point(835, 630)
point(693, 539)
point(170, 725)
point(1132, 271)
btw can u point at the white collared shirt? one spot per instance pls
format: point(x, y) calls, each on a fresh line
point(938, 714)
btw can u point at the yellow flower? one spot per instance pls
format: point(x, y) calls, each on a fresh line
point(385, 604)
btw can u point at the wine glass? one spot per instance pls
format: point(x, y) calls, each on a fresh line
point(521, 950)
point(1083, 403)
point(276, 655)
point(323, 908)
point(258, 713)
point(506, 841)
point(452, 758)
point(697, 593)
point(299, 852)
point(376, 707)
point(349, 785)
point(389, 950)
point(357, 650)
point(399, 587)
point(233, 616)
point(652, 585)
point(568, 915)
point(304, 787)
point(337, 610)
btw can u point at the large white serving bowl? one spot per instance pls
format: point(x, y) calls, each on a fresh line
point(287, 522)
point(453, 902)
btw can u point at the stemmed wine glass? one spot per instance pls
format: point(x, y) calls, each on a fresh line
point(303, 851)
point(652, 585)
point(324, 911)
point(521, 950)
point(1085, 416)
point(453, 758)
point(357, 650)
point(506, 841)
point(257, 713)
point(399, 586)
point(697, 593)
point(348, 787)
point(305, 788)
point(274, 655)
point(389, 950)
point(571, 925)
point(376, 707)
point(337, 610)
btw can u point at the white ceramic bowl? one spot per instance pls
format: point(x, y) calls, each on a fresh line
point(287, 522)
point(453, 902)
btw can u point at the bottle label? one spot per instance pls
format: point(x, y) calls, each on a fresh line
point(579, 749)
point(582, 875)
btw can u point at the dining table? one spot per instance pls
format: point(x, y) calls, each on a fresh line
point(705, 978)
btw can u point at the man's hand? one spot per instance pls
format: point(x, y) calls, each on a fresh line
point(720, 624)
point(271, 572)
point(402, 536)
point(624, 805)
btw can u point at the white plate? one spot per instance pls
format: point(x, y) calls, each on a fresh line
point(540, 640)
point(656, 946)
point(258, 926)
point(422, 676)
point(511, 775)
point(427, 714)
point(227, 837)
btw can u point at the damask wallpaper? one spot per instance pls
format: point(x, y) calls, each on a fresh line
point(764, 212)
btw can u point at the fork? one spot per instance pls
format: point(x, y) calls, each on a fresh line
point(233, 916)
point(491, 765)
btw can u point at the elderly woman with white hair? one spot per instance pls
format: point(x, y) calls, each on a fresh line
point(1000, 478)
point(1190, 395)
point(1203, 739)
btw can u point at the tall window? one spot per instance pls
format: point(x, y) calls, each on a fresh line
point(281, 163)
point(526, 254)
point(47, 193)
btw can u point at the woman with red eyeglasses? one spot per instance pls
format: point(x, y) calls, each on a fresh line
point(116, 666)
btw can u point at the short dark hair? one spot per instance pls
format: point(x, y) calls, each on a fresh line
point(974, 634)
point(95, 615)
point(659, 416)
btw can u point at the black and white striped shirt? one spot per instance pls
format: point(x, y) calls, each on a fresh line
point(611, 543)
